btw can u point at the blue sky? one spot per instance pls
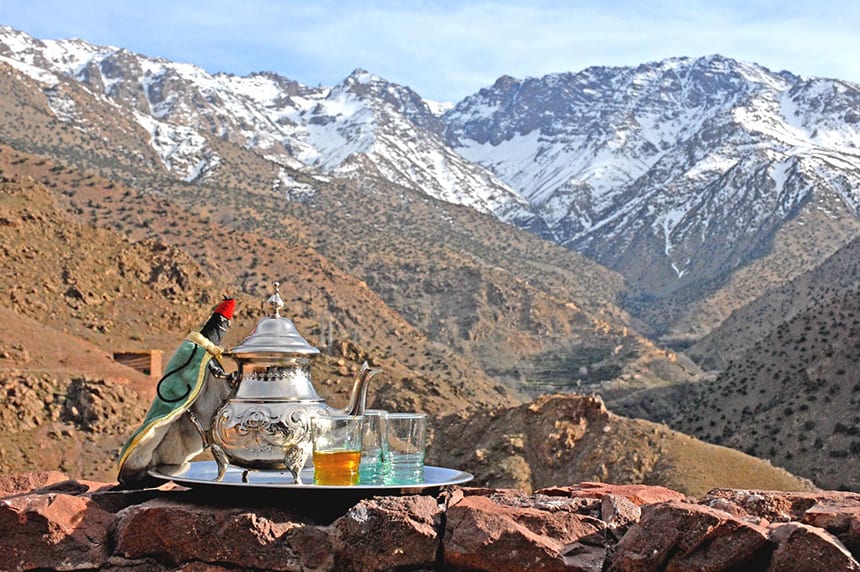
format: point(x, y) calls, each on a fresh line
point(446, 50)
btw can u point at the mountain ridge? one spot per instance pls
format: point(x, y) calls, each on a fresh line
point(659, 180)
point(239, 196)
point(677, 173)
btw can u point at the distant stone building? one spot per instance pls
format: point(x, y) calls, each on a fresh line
point(145, 361)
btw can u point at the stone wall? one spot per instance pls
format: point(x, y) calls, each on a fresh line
point(50, 522)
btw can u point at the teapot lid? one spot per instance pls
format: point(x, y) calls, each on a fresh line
point(275, 334)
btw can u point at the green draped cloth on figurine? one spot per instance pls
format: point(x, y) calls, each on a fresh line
point(166, 438)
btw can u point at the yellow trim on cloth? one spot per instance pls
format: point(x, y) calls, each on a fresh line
point(137, 454)
point(214, 350)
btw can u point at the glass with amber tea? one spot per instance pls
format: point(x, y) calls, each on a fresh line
point(336, 449)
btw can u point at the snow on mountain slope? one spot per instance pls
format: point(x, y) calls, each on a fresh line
point(181, 106)
point(382, 120)
point(684, 156)
point(675, 173)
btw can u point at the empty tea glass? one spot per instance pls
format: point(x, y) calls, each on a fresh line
point(406, 436)
point(373, 447)
point(336, 449)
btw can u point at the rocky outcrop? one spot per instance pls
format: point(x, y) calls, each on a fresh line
point(575, 438)
point(54, 524)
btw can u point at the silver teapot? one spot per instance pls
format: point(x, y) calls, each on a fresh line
point(266, 423)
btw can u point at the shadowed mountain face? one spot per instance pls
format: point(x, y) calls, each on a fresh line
point(789, 389)
point(782, 382)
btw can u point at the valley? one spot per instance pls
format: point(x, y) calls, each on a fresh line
point(685, 250)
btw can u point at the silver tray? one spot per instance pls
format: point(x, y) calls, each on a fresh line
point(197, 474)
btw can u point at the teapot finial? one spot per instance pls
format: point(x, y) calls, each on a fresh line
point(275, 301)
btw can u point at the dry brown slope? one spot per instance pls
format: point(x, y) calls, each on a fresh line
point(568, 439)
point(122, 294)
point(64, 403)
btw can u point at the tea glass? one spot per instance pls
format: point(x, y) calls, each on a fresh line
point(336, 449)
point(374, 447)
point(407, 438)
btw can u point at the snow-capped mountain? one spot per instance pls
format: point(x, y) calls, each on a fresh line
point(675, 173)
point(180, 105)
point(684, 156)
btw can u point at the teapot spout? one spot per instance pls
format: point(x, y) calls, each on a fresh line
point(358, 399)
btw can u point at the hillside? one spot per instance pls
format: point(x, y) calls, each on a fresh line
point(838, 275)
point(568, 439)
point(817, 231)
point(792, 395)
point(520, 308)
point(68, 405)
point(147, 294)
point(783, 383)
point(125, 295)
point(64, 403)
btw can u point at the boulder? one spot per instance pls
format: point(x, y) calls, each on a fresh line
point(778, 506)
point(683, 536)
point(619, 514)
point(24, 482)
point(638, 494)
point(835, 517)
point(55, 531)
point(852, 538)
point(176, 533)
point(841, 519)
point(388, 533)
point(499, 533)
point(802, 548)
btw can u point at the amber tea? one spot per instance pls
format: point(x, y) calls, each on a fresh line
point(337, 449)
point(336, 467)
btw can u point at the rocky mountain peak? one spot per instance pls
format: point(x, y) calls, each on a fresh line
point(506, 83)
point(630, 164)
point(382, 94)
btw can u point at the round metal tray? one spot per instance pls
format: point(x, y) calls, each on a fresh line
point(199, 474)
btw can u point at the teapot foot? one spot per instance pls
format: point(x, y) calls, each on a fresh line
point(295, 460)
point(220, 459)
